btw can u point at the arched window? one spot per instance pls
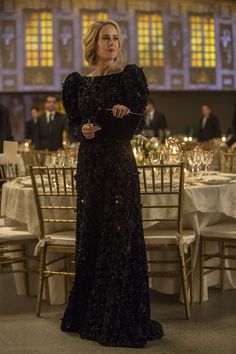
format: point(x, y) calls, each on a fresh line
point(202, 37)
point(38, 39)
point(150, 40)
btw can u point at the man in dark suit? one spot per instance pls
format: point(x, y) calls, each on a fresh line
point(232, 139)
point(51, 126)
point(31, 127)
point(5, 126)
point(209, 127)
point(155, 122)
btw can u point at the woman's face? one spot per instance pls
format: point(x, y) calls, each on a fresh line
point(107, 44)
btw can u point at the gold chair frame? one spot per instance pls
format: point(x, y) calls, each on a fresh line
point(157, 186)
point(51, 187)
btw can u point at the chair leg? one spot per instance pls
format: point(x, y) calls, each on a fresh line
point(192, 275)
point(185, 285)
point(41, 280)
point(47, 293)
point(201, 270)
point(67, 278)
point(222, 270)
point(26, 273)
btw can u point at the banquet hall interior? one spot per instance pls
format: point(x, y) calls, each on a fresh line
point(185, 155)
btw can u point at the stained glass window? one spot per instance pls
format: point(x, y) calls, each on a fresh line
point(87, 19)
point(203, 51)
point(150, 40)
point(39, 39)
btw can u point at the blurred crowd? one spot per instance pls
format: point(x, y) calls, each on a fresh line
point(48, 130)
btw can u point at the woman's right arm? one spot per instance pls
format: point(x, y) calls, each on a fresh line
point(70, 93)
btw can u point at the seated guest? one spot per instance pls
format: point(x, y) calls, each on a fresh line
point(51, 126)
point(232, 139)
point(209, 127)
point(31, 127)
point(5, 126)
point(155, 122)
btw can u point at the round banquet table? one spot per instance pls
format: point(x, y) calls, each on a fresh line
point(203, 205)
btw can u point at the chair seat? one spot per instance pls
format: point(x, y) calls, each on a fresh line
point(12, 234)
point(224, 230)
point(61, 238)
point(158, 236)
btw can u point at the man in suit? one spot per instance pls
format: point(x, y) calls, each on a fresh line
point(5, 126)
point(31, 127)
point(51, 126)
point(209, 127)
point(155, 122)
point(232, 139)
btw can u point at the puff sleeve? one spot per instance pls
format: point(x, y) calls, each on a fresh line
point(70, 92)
point(136, 90)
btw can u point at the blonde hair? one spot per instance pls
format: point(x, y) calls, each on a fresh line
point(90, 41)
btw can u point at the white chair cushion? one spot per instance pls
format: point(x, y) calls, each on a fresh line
point(158, 236)
point(224, 230)
point(15, 234)
point(61, 238)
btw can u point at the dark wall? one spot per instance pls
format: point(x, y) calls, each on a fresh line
point(184, 108)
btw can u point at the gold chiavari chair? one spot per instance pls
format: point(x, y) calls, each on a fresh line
point(8, 172)
point(55, 196)
point(14, 243)
point(33, 158)
point(228, 162)
point(162, 188)
point(224, 237)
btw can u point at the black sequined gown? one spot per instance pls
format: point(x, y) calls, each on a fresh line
point(109, 301)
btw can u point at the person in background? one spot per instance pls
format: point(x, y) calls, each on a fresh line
point(232, 139)
point(51, 126)
point(209, 127)
point(155, 121)
point(31, 127)
point(5, 126)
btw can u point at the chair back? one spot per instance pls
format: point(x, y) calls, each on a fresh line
point(8, 172)
point(55, 196)
point(34, 158)
point(162, 188)
point(228, 162)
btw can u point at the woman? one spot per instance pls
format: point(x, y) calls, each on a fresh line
point(109, 301)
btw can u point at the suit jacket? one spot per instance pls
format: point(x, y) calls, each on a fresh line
point(211, 130)
point(50, 135)
point(232, 139)
point(5, 127)
point(158, 123)
point(31, 132)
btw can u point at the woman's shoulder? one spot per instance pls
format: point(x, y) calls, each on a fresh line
point(73, 78)
point(133, 69)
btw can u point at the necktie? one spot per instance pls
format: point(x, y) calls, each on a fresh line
point(50, 118)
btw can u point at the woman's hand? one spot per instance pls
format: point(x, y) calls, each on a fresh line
point(120, 111)
point(89, 130)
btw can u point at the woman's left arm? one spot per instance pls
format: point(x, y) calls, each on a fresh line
point(136, 91)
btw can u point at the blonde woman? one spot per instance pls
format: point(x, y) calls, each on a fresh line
point(109, 301)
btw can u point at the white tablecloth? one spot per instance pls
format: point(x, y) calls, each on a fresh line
point(203, 205)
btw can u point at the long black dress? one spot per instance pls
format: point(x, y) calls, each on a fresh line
point(109, 301)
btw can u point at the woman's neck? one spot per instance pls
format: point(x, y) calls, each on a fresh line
point(102, 69)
